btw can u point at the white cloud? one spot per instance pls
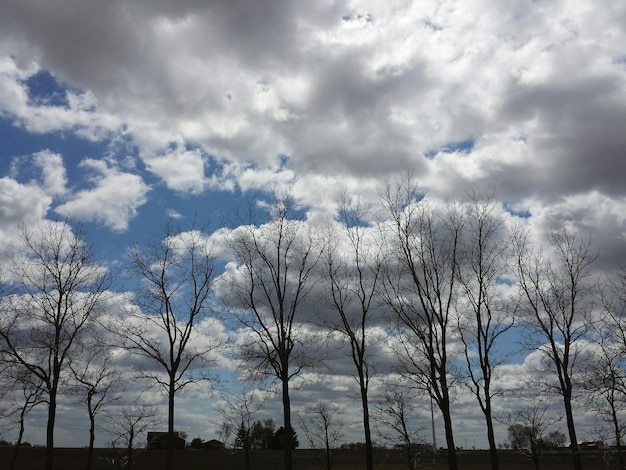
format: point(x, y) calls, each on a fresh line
point(171, 213)
point(28, 202)
point(112, 201)
point(349, 89)
point(80, 115)
point(53, 172)
point(181, 170)
point(19, 204)
point(13, 95)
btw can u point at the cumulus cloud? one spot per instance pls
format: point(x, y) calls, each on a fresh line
point(181, 170)
point(19, 204)
point(352, 88)
point(113, 200)
point(26, 196)
point(53, 172)
point(76, 114)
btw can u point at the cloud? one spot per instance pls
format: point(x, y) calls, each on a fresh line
point(19, 204)
point(28, 203)
point(347, 89)
point(77, 114)
point(112, 201)
point(181, 170)
point(171, 213)
point(13, 95)
point(52, 171)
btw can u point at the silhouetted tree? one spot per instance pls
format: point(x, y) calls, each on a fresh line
point(422, 288)
point(323, 429)
point(485, 263)
point(527, 428)
point(28, 393)
point(269, 281)
point(175, 276)
point(127, 425)
point(196, 443)
point(557, 294)
point(606, 376)
point(261, 433)
point(283, 438)
point(58, 288)
point(352, 265)
point(95, 380)
point(225, 431)
point(395, 410)
point(605, 385)
point(243, 441)
point(241, 407)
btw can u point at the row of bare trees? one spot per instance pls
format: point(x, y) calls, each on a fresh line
point(64, 331)
point(433, 277)
point(434, 286)
point(54, 288)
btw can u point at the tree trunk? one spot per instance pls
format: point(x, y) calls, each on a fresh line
point(329, 455)
point(288, 465)
point(576, 460)
point(92, 435)
point(369, 448)
point(20, 435)
point(169, 459)
point(618, 438)
point(493, 449)
point(536, 461)
point(447, 421)
point(129, 450)
point(287, 424)
point(247, 454)
point(52, 407)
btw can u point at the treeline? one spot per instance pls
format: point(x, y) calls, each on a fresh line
point(434, 286)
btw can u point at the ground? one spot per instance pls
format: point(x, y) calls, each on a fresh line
point(106, 459)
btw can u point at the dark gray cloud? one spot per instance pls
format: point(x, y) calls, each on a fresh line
point(579, 140)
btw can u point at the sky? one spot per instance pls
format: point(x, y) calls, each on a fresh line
point(120, 115)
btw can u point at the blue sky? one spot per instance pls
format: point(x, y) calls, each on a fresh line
point(120, 115)
point(215, 208)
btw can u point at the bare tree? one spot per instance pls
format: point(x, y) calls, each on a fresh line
point(557, 307)
point(605, 385)
point(27, 391)
point(95, 381)
point(484, 264)
point(352, 270)
point(225, 431)
point(175, 277)
point(323, 429)
point(612, 327)
point(422, 289)
point(21, 387)
point(58, 289)
point(607, 382)
point(238, 411)
point(527, 429)
point(395, 410)
point(127, 425)
point(275, 262)
point(613, 337)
